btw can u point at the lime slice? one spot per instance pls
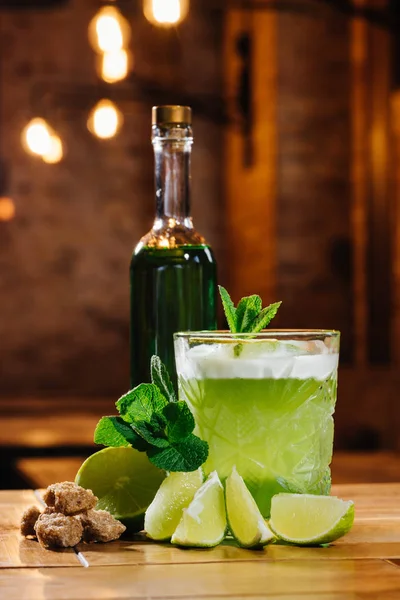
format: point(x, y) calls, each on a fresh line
point(175, 493)
point(306, 520)
point(203, 523)
point(124, 480)
point(245, 521)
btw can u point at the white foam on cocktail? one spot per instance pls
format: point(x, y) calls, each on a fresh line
point(257, 360)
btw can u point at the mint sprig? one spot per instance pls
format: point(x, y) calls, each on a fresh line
point(152, 420)
point(248, 316)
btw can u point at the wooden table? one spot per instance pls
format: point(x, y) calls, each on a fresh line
point(364, 564)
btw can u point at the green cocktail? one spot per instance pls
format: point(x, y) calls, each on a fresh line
point(264, 403)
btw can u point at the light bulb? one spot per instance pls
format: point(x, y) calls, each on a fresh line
point(36, 137)
point(165, 13)
point(109, 31)
point(105, 119)
point(115, 66)
point(55, 152)
point(7, 209)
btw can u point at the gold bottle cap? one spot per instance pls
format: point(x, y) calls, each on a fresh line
point(161, 115)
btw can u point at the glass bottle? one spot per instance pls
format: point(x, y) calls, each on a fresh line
point(173, 269)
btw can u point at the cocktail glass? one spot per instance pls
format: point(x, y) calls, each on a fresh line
point(264, 403)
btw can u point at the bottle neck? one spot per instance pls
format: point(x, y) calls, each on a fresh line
point(172, 151)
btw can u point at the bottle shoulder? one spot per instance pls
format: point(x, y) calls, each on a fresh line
point(185, 253)
point(168, 237)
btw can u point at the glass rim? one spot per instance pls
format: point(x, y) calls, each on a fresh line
point(264, 334)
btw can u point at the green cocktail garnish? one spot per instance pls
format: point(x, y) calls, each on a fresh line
point(152, 420)
point(248, 316)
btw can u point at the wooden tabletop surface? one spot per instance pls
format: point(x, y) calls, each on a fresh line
point(364, 564)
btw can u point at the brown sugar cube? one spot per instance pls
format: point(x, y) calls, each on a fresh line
point(100, 526)
point(68, 498)
point(28, 521)
point(58, 531)
point(49, 510)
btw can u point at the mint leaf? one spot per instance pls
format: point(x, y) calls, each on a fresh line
point(113, 431)
point(229, 308)
point(187, 455)
point(141, 402)
point(152, 432)
point(247, 310)
point(180, 421)
point(265, 317)
point(160, 378)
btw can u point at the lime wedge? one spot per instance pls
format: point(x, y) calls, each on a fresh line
point(306, 520)
point(203, 523)
point(124, 480)
point(174, 494)
point(245, 521)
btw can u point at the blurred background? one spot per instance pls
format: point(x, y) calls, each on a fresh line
point(296, 185)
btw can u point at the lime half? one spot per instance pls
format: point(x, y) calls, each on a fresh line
point(245, 521)
point(203, 523)
point(175, 493)
point(306, 520)
point(125, 482)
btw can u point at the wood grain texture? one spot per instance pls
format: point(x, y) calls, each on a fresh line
point(48, 431)
point(42, 472)
point(313, 209)
point(250, 186)
point(287, 579)
point(361, 467)
point(395, 119)
point(375, 534)
point(359, 176)
point(136, 553)
point(16, 551)
point(369, 495)
point(363, 564)
point(380, 334)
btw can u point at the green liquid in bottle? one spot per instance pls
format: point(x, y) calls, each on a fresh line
point(172, 289)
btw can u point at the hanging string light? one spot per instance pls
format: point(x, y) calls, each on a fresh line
point(105, 119)
point(36, 137)
point(165, 13)
point(115, 66)
point(109, 35)
point(7, 209)
point(39, 139)
point(109, 31)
